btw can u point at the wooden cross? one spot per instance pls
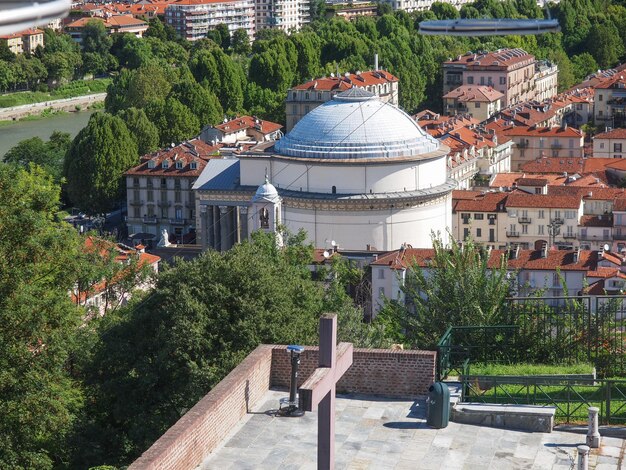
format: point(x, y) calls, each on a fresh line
point(319, 389)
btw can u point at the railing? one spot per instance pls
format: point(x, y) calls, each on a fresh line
point(569, 235)
point(512, 234)
point(178, 221)
point(150, 219)
point(571, 396)
point(524, 220)
point(136, 202)
point(558, 221)
point(619, 236)
point(461, 344)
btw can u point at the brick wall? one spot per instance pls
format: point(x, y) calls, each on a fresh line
point(398, 374)
point(185, 445)
point(201, 429)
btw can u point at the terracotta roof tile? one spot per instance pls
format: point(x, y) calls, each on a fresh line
point(544, 201)
point(372, 77)
point(488, 202)
point(501, 58)
point(472, 93)
point(248, 122)
point(619, 133)
point(194, 150)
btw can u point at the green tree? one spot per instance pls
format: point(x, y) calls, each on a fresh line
point(61, 66)
point(201, 320)
point(38, 398)
point(459, 287)
point(240, 42)
point(48, 155)
point(95, 37)
point(224, 35)
point(444, 11)
point(605, 44)
point(96, 161)
point(202, 103)
point(145, 132)
point(5, 53)
point(583, 65)
point(175, 121)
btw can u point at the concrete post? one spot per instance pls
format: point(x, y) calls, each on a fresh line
point(583, 458)
point(593, 435)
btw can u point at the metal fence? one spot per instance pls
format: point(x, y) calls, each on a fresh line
point(547, 330)
point(570, 396)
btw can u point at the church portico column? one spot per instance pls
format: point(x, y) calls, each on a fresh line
point(243, 223)
point(216, 228)
point(208, 224)
point(224, 223)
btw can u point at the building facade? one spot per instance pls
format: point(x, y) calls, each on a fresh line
point(610, 144)
point(193, 19)
point(532, 143)
point(510, 71)
point(304, 98)
point(286, 15)
point(610, 102)
point(25, 41)
point(244, 129)
point(159, 194)
point(480, 102)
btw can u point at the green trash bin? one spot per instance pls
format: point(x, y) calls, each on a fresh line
point(438, 405)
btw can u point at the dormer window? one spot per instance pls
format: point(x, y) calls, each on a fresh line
point(179, 165)
point(193, 165)
point(151, 164)
point(165, 164)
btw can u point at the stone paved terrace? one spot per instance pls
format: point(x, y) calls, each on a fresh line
point(386, 434)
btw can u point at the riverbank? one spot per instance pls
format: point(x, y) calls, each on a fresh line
point(15, 113)
point(69, 90)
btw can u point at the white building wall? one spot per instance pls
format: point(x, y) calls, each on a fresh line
point(380, 229)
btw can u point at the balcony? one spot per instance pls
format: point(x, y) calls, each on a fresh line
point(619, 236)
point(558, 221)
point(512, 234)
point(164, 203)
point(524, 220)
point(178, 221)
point(136, 202)
point(569, 235)
point(150, 219)
point(190, 204)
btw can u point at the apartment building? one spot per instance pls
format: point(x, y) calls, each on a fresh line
point(113, 24)
point(193, 19)
point(243, 129)
point(594, 231)
point(286, 15)
point(305, 97)
point(610, 144)
point(531, 272)
point(510, 71)
point(480, 102)
point(542, 218)
point(478, 216)
point(25, 41)
point(546, 80)
point(531, 143)
point(610, 102)
point(159, 194)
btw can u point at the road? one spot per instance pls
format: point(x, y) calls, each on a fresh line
point(66, 104)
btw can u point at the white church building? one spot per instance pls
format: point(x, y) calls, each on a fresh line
point(355, 170)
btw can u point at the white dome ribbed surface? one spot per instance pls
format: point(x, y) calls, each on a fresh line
point(266, 192)
point(356, 124)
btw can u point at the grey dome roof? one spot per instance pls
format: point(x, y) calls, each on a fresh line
point(266, 192)
point(356, 124)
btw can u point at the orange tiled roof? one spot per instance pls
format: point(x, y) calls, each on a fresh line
point(619, 133)
point(596, 220)
point(544, 201)
point(501, 58)
point(247, 122)
point(557, 131)
point(372, 77)
point(194, 150)
point(487, 202)
point(471, 93)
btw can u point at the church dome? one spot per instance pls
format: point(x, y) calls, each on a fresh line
point(266, 192)
point(356, 125)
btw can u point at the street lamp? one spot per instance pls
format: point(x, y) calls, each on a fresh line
point(554, 229)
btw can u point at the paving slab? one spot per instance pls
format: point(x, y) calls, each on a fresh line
point(378, 434)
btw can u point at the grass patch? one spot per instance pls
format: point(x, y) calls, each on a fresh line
point(69, 90)
point(571, 400)
point(530, 369)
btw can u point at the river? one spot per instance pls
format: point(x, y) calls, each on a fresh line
point(13, 133)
